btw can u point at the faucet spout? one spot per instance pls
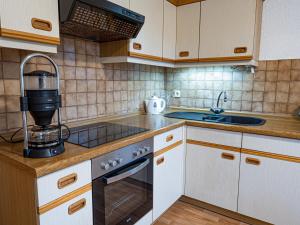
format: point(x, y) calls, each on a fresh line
point(219, 110)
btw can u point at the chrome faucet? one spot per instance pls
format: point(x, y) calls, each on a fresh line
point(218, 110)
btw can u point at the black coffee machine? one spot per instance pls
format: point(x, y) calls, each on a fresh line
point(40, 95)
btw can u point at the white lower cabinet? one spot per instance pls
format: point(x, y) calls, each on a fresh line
point(270, 191)
point(168, 179)
point(77, 211)
point(212, 176)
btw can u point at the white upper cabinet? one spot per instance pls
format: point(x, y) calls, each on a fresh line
point(150, 39)
point(188, 21)
point(124, 3)
point(229, 28)
point(169, 34)
point(32, 25)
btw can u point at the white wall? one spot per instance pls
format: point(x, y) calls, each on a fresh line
point(280, 30)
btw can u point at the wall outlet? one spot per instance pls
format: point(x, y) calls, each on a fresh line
point(176, 94)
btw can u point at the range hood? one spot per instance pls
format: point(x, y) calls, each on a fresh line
point(98, 20)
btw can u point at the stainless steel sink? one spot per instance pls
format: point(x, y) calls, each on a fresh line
point(217, 118)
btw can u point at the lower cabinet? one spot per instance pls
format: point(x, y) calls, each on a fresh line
point(212, 175)
point(270, 190)
point(168, 179)
point(76, 211)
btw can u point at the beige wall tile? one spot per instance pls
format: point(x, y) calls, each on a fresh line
point(80, 73)
point(82, 98)
point(80, 60)
point(296, 64)
point(284, 75)
point(295, 75)
point(92, 111)
point(69, 59)
point(80, 46)
point(2, 104)
point(82, 111)
point(71, 113)
point(280, 108)
point(2, 88)
point(12, 87)
point(11, 70)
point(92, 98)
point(70, 86)
point(295, 87)
point(272, 65)
point(69, 72)
point(3, 126)
point(271, 76)
point(11, 55)
point(12, 104)
point(81, 85)
point(257, 106)
point(268, 107)
point(285, 64)
point(69, 45)
point(282, 97)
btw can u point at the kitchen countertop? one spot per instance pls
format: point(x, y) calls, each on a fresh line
point(279, 126)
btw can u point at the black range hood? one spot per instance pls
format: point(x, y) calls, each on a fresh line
point(98, 20)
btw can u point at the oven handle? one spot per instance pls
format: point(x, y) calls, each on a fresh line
point(127, 173)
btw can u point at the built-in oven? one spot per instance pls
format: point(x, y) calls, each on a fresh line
point(123, 184)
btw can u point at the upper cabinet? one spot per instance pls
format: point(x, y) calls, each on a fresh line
point(178, 33)
point(124, 3)
point(149, 41)
point(188, 25)
point(169, 33)
point(31, 25)
point(229, 30)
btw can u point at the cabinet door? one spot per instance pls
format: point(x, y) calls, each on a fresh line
point(225, 26)
point(168, 179)
point(188, 22)
point(33, 20)
point(169, 34)
point(149, 40)
point(124, 3)
point(212, 176)
point(269, 189)
point(77, 211)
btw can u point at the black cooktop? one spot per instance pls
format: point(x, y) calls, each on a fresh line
point(96, 134)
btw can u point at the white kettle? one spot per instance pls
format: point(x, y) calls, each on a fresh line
point(155, 105)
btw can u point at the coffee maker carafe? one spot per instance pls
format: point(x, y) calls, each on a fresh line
point(40, 96)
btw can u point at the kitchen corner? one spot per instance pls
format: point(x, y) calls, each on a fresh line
point(149, 112)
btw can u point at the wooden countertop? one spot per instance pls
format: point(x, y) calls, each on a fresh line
point(13, 153)
point(278, 126)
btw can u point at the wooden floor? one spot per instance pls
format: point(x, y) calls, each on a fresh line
point(185, 214)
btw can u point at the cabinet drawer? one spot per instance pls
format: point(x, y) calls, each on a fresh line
point(220, 137)
point(55, 185)
point(283, 146)
point(77, 211)
point(168, 138)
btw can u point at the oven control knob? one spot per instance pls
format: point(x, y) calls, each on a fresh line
point(119, 161)
point(137, 153)
point(147, 148)
point(113, 163)
point(141, 151)
point(105, 166)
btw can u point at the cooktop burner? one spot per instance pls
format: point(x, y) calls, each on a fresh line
point(96, 134)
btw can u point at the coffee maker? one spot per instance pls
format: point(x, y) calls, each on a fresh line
point(40, 96)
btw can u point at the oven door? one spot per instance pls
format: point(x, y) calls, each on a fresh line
point(124, 196)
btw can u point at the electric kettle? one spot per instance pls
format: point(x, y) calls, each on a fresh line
point(155, 105)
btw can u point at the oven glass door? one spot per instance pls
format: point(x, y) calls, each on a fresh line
point(124, 196)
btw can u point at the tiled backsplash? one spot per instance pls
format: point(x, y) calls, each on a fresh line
point(275, 87)
point(89, 89)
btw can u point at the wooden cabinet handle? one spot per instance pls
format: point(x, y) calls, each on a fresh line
point(67, 180)
point(252, 161)
point(137, 46)
point(41, 24)
point(239, 50)
point(169, 138)
point(160, 161)
point(75, 207)
point(184, 54)
point(228, 156)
